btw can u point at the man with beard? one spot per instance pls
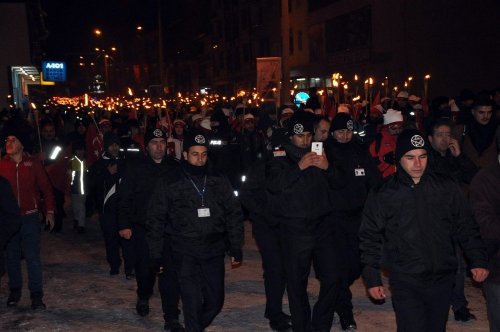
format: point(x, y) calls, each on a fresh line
point(194, 218)
point(299, 182)
point(134, 193)
point(360, 175)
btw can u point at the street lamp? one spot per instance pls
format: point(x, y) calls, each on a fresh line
point(97, 32)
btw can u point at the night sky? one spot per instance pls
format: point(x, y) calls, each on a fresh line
point(71, 23)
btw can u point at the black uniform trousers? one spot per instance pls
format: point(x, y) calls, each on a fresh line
point(419, 304)
point(313, 242)
point(113, 242)
point(146, 277)
point(348, 226)
point(201, 282)
point(267, 238)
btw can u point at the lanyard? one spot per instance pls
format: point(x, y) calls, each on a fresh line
point(202, 191)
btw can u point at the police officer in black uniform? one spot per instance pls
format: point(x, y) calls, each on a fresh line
point(300, 184)
point(408, 228)
point(361, 174)
point(195, 214)
point(133, 196)
point(266, 232)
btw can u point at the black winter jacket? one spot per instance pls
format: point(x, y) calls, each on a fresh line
point(254, 196)
point(136, 187)
point(460, 168)
point(361, 174)
point(173, 210)
point(104, 185)
point(410, 228)
point(298, 196)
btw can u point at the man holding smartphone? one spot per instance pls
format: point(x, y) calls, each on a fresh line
point(445, 156)
point(299, 182)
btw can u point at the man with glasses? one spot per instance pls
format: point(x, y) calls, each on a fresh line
point(383, 147)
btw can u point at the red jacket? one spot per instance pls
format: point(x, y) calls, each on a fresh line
point(386, 146)
point(28, 179)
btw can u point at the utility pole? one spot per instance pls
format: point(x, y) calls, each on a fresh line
point(160, 47)
point(285, 51)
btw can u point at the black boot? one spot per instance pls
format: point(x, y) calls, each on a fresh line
point(463, 315)
point(280, 325)
point(142, 307)
point(14, 297)
point(174, 326)
point(347, 321)
point(36, 301)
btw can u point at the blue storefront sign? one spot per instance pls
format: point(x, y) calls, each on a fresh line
point(54, 71)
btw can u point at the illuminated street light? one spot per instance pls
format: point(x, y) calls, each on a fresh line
point(97, 32)
point(139, 28)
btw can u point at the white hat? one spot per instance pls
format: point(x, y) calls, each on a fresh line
point(248, 116)
point(179, 122)
point(392, 116)
point(205, 123)
point(196, 117)
point(287, 111)
point(403, 94)
point(414, 98)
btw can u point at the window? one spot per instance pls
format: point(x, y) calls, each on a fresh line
point(221, 60)
point(291, 42)
point(246, 53)
point(299, 40)
point(264, 47)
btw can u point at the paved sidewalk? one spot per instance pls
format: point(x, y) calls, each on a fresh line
point(81, 296)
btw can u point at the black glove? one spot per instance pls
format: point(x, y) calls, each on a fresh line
point(156, 265)
point(389, 158)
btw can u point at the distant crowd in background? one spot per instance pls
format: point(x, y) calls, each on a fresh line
point(74, 159)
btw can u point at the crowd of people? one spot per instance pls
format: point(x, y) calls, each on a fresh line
point(395, 187)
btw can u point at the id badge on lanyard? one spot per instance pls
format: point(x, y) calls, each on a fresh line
point(203, 212)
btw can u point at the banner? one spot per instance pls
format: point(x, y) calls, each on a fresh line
point(268, 79)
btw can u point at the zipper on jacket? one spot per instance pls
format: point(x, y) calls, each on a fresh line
point(17, 183)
